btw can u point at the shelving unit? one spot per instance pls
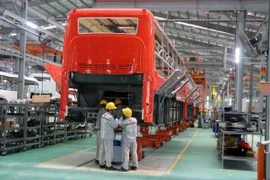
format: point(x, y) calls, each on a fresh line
point(25, 126)
point(222, 133)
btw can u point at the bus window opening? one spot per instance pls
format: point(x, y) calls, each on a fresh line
point(108, 25)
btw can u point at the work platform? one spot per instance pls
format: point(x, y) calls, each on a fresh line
point(190, 155)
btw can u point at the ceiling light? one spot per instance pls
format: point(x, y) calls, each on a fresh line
point(237, 55)
point(65, 23)
point(13, 34)
point(192, 25)
point(126, 27)
point(29, 67)
point(201, 27)
point(160, 18)
point(32, 25)
point(49, 27)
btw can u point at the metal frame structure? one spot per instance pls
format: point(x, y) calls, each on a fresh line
point(38, 125)
point(223, 157)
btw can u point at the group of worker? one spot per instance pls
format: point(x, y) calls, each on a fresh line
point(111, 116)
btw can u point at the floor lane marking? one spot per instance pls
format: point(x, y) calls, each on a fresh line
point(181, 153)
point(83, 150)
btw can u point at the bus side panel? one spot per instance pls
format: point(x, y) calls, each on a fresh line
point(64, 93)
point(148, 99)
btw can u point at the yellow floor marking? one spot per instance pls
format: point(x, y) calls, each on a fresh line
point(43, 163)
point(181, 154)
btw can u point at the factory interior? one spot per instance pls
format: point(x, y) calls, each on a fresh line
point(135, 89)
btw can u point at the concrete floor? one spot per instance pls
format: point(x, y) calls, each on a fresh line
point(190, 155)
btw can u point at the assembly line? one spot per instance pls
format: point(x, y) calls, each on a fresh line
point(151, 89)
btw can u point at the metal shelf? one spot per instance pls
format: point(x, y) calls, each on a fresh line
point(239, 158)
point(47, 121)
point(222, 133)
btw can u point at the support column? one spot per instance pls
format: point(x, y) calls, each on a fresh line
point(23, 51)
point(225, 57)
point(240, 65)
point(16, 64)
point(250, 90)
point(267, 122)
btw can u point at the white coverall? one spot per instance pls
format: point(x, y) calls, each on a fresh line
point(107, 126)
point(129, 143)
point(100, 113)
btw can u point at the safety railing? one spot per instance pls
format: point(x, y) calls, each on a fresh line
point(162, 54)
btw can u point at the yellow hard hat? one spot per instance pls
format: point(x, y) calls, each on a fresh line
point(103, 102)
point(110, 106)
point(117, 101)
point(127, 112)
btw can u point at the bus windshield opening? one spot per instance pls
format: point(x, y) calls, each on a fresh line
point(108, 25)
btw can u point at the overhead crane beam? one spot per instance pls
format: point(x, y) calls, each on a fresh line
point(213, 65)
point(187, 5)
point(29, 58)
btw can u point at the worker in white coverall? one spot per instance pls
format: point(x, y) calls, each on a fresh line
point(118, 112)
point(107, 126)
point(129, 143)
point(101, 111)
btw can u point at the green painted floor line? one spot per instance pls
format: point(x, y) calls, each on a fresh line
point(199, 162)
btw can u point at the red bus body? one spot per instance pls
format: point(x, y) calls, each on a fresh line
point(107, 54)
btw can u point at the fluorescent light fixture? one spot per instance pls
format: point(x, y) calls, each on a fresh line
point(192, 25)
point(160, 18)
point(29, 67)
point(207, 98)
point(204, 28)
point(65, 23)
point(32, 25)
point(13, 34)
point(237, 55)
point(126, 27)
point(49, 27)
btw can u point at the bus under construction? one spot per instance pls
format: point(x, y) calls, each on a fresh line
point(124, 53)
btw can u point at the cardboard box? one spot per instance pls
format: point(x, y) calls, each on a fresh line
point(41, 99)
point(229, 142)
point(251, 153)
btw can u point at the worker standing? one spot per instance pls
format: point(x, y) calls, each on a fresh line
point(107, 125)
point(101, 111)
point(129, 143)
point(118, 111)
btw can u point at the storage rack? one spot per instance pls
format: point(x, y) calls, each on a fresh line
point(35, 126)
point(222, 133)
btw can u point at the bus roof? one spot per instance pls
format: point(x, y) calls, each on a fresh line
point(108, 12)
